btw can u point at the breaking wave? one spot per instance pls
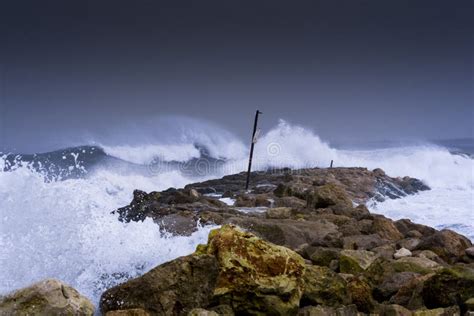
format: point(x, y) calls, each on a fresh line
point(55, 206)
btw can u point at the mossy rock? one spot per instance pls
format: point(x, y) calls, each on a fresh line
point(415, 264)
point(361, 295)
point(379, 270)
point(355, 261)
point(323, 256)
point(451, 286)
point(324, 287)
point(255, 276)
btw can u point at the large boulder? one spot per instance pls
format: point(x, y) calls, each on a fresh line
point(235, 269)
point(255, 277)
point(47, 297)
point(173, 288)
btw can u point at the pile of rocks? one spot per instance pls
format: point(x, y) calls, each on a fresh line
point(312, 251)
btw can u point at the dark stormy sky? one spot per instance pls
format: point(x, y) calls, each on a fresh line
point(350, 70)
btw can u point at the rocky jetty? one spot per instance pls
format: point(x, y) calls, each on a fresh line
point(299, 242)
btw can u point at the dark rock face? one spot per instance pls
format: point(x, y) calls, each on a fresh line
point(173, 288)
point(449, 287)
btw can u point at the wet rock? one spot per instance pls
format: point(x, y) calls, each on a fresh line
point(402, 252)
point(447, 244)
point(173, 288)
point(324, 287)
point(47, 297)
point(355, 261)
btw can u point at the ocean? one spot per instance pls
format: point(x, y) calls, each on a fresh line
point(55, 207)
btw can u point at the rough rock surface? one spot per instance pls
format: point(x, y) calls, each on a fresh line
point(234, 268)
point(173, 288)
point(47, 297)
point(304, 247)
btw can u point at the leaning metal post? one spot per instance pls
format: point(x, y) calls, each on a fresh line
point(251, 148)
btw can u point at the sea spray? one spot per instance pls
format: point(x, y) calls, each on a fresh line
point(60, 226)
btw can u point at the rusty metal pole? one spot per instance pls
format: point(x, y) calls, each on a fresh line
point(251, 149)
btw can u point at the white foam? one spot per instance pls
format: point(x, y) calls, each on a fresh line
point(65, 230)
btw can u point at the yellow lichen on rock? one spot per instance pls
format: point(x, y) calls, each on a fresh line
point(254, 274)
